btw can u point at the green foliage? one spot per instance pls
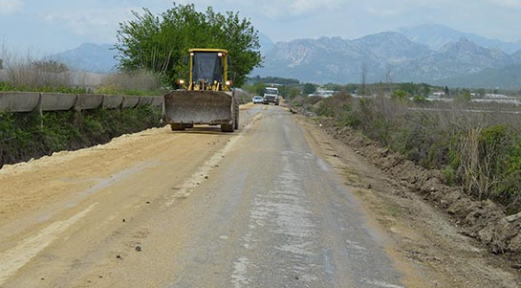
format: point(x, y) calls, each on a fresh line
point(400, 95)
point(419, 99)
point(293, 93)
point(463, 96)
point(256, 89)
point(160, 43)
point(309, 89)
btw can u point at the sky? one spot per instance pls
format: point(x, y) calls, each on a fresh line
point(53, 26)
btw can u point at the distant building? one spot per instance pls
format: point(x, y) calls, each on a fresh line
point(323, 93)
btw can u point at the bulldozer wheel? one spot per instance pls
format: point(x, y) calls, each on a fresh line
point(227, 128)
point(177, 127)
point(236, 118)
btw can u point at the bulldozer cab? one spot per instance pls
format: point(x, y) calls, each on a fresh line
point(209, 70)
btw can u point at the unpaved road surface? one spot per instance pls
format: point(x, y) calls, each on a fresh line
point(277, 204)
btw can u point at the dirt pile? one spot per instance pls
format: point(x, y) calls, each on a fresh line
point(482, 220)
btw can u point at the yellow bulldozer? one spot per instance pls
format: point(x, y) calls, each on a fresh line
point(206, 97)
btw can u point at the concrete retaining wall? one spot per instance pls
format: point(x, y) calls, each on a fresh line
point(57, 101)
point(87, 102)
point(19, 101)
point(130, 101)
point(112, 102)
point(38, 102)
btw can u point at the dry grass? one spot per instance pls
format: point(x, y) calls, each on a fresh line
point(476, 145)
point(25, 71)
point(130, 82)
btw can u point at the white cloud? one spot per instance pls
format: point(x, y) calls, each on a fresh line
point(100, 24)
point(11, 6)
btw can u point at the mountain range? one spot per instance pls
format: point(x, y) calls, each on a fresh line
point(428, 53)
point(432, 54)
point(98, 58)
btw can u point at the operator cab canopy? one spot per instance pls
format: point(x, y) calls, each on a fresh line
point(208, 65)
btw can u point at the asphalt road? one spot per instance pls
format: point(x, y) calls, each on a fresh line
point(198, 208)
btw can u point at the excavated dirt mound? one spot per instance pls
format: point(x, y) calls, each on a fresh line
point(482, 220)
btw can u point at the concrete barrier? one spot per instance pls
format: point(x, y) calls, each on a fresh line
point(157, 101)
point(86, 102)
point(112, 101)
point(39, 102)
point(57, 101)
point(130, 101)
point(19, 101)
point(145, 101)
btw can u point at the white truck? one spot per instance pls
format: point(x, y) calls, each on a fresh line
point(271, 95)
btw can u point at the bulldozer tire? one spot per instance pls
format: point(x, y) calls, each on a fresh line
point(177, 127)
point(227, 128)
point(236, 118)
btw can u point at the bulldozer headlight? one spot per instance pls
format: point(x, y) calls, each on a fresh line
point(228, 83)
point(220, 54)
point(181, 81)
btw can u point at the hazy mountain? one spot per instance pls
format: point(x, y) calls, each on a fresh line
point(437, 36)
point(266, 44)
point(452, 60)
point(88, 57)
point(392, 48)
point(517, 55)
point(505, 77)
point(322, 60)
point(339, 60)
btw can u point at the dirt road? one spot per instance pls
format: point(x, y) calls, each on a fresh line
point(275, 205)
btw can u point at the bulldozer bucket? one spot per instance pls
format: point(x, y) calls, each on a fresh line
point(198, 107)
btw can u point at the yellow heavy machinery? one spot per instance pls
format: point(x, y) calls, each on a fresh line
point(207, 96)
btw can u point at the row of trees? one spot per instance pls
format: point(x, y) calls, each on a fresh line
point(159, 43)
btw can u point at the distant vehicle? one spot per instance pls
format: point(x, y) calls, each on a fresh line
point(257, 100)
point(271, 95)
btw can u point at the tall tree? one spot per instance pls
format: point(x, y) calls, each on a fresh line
point(309, 89)
point(160, 42)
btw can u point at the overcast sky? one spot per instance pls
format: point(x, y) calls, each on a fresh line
point(56, 25)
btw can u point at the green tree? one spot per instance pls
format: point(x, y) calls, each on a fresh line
point(399, 95)
point(259, 88)
point(463, 96)
point(309, 89)
point(160, 42)
point(293, 93)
